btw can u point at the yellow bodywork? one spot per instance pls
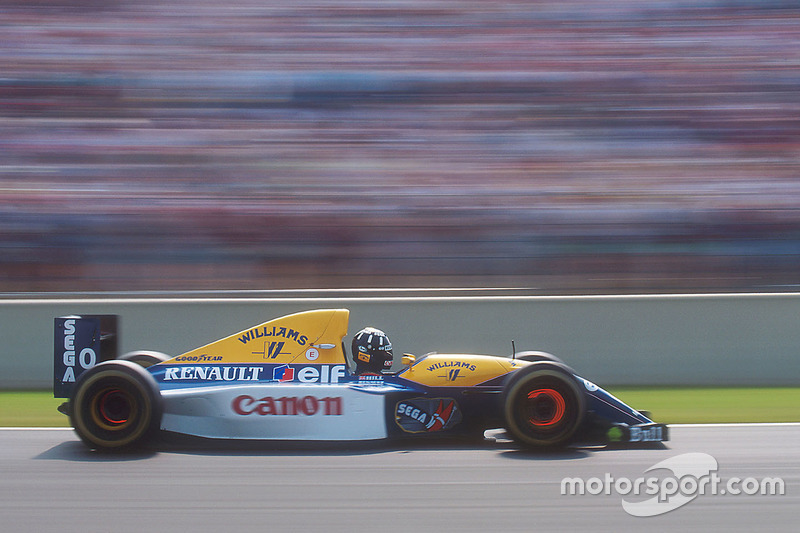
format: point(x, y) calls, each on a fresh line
point(459, 370)
point(309, 337)
point(315, 337)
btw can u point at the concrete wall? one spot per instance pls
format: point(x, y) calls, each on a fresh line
point(613, 340)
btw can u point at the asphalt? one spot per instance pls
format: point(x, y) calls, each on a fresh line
point(51, 482)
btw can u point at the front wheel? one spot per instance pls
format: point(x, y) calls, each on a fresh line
point(116, 405)
point(543, 406)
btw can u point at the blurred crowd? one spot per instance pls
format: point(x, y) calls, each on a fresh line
point(568, 146)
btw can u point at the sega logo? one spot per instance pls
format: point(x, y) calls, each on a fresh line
point(87, 357)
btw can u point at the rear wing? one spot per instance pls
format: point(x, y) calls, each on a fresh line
point(80, 342)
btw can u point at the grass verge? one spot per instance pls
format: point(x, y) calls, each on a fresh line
point(671, 405)
point(30, 409)
point(696, 405)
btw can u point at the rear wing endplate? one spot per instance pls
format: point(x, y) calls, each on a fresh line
point(80, 342)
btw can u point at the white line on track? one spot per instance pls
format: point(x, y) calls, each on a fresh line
point(35, 429)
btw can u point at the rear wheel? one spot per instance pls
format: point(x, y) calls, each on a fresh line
point(116, 406)
point(144, 359)
point(543, 406)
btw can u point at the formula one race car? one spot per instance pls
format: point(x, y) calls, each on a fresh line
point(289, 379)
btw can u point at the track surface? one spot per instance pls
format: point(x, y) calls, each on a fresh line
point(50, 482)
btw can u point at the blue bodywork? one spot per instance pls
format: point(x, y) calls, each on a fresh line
point(474, 410)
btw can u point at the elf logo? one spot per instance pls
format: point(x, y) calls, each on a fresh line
point(283, 373)
point(308, 373)
point(320, 373)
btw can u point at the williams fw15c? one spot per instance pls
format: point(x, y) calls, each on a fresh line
point(291, 379)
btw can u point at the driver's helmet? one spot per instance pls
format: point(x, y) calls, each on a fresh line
point(372, 351)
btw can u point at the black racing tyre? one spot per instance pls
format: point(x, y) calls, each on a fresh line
point(535, 357)
point(143, 358)
point(543, 405)
point(116, 405)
